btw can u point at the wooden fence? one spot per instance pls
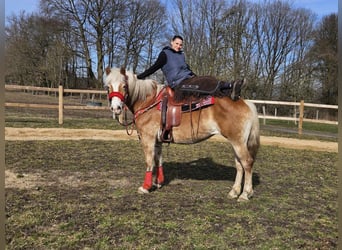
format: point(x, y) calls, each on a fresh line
point(298, 116)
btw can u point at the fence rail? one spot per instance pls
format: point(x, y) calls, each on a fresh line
point(301, 106)
point(61, 91)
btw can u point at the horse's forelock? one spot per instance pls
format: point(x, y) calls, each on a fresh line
point(112, 75)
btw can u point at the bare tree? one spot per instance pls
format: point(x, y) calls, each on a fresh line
point(239, 40)
point(90, 20)
point(143, 23)
point(297, 79)
point(324, 58)
point(76, 11)
point(35, 54)
point(102, 14)
point(276, 34)
point(199, 22)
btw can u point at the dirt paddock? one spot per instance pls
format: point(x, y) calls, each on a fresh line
point(81, 193)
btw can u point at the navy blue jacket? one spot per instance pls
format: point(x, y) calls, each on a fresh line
point(173, 66)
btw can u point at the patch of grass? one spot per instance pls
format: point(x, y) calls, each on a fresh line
point(72, 122)
point(307, 126)
point(81, 203)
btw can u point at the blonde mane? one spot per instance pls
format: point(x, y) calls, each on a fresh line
point(137, 89)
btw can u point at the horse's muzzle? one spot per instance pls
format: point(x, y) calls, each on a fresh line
point(116, 110)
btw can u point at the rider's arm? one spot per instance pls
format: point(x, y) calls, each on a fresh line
point(161, 61)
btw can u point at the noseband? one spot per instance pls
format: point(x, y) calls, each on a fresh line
point(116, 94)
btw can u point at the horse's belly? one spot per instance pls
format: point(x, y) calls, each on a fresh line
point(189, 136)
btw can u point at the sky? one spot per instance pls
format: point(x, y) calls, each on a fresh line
point(320, 7)
point(16, 6)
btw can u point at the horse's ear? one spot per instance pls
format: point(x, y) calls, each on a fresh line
point(123, 71)
point(107, 71)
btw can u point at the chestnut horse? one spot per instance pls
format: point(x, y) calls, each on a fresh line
point(237, 121)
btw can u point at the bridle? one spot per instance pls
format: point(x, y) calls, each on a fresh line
point(123, 99)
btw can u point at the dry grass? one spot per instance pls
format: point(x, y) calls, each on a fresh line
point(86, 198)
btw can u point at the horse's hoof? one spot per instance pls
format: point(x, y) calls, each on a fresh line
point(244, 197)
point(142, 190)
point(157, 185)
point(232, 194)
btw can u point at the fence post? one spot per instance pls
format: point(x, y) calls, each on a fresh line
point(60, 104)
point(301, 117)
point(264, 113)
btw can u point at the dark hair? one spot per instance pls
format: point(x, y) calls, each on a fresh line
point(177, 36)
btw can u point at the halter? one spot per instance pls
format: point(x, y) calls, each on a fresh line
point(123, 98)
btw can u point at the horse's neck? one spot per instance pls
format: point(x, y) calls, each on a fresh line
point(140, 103)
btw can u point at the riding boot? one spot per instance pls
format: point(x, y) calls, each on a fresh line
point(232, 89)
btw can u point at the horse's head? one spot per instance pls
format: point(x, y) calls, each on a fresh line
point(116, 82)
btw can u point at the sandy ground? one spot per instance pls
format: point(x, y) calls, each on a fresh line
point(18, 134)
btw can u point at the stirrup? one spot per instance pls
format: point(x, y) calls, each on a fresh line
point(166, 135)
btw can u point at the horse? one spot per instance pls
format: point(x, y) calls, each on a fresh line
point(237, 121)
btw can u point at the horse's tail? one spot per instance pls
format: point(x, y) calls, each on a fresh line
point(253, 142)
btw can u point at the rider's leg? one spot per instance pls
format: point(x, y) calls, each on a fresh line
point(233, 88)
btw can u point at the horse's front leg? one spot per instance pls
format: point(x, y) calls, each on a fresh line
point(152, 153)
point(159, 180)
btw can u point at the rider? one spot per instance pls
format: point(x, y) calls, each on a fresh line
point(171, 61)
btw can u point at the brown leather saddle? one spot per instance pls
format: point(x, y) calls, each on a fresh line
point(171, 111)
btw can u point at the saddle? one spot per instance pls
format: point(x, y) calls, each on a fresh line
point(197, 87)
point(172, 109)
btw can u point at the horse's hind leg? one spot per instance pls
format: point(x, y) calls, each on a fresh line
point(236, 189)
point(248, 185)
point(244, 164)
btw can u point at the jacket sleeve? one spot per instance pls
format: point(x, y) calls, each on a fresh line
point(161, 61)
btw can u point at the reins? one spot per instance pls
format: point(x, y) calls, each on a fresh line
point(125, 123)
point(157, 100)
